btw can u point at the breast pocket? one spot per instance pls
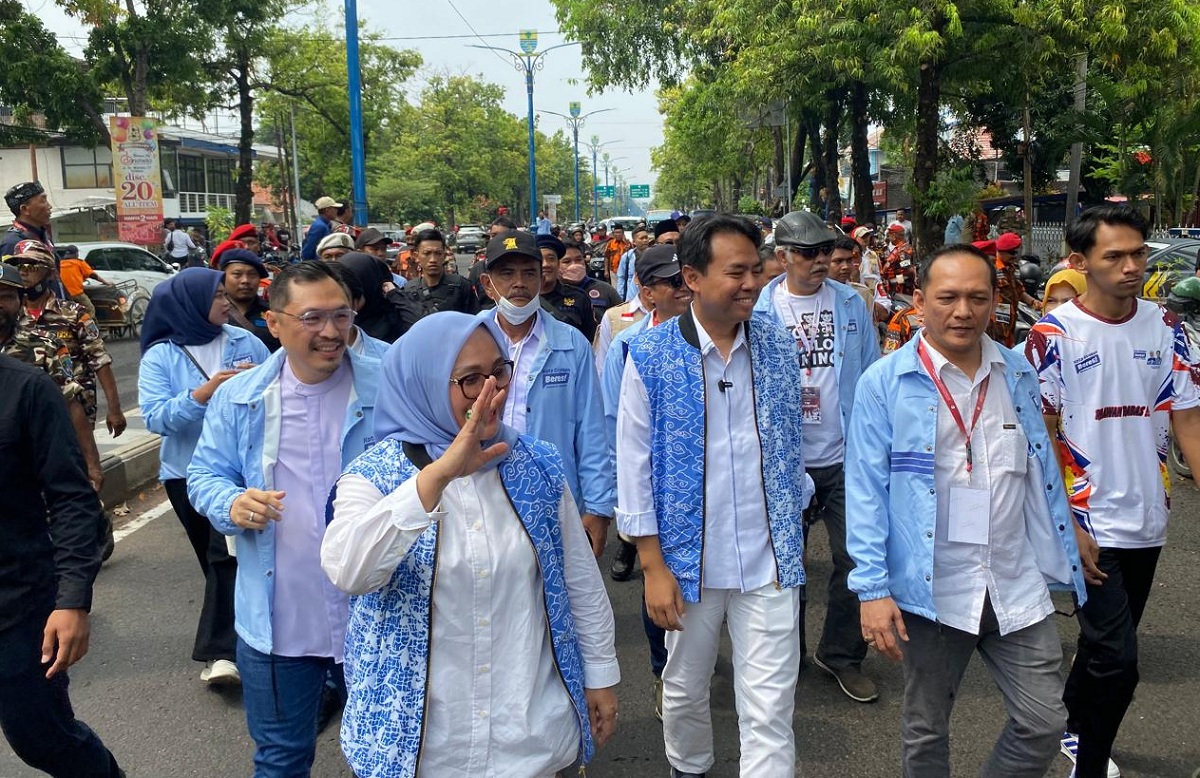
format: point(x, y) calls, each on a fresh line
point(1011, 451)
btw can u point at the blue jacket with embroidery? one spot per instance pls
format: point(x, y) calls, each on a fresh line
point(564, 408)
point(238, 450)
point(670, 364)
point(389, 638)
point(856, 344)
point(166, 379)
point(891, 503)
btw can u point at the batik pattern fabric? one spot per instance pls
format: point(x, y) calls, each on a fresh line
point(45, 354)
point(388, 638)
point(672, 371)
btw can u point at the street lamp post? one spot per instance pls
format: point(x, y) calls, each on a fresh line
point(358, 163)
point(574, 121)
point(526, 61)
point(594, 146)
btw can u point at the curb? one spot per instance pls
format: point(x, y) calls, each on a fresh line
point(128, 469)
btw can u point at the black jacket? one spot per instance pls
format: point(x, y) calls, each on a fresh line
point(453, 293)
point(571, 305)
point(51, 524)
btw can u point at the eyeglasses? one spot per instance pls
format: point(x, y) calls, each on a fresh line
point(471, 384)
point(812, 252)
point(314, 321)
point(675, 281)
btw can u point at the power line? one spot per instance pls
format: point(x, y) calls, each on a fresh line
point(477, 35)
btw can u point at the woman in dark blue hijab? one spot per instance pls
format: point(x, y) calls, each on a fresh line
point(188, 351)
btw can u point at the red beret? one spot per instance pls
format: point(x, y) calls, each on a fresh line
point(848, 220)
point(986, 246)
point(221, 248)
point(243, 231)
point(895, 227)
point(1009, 241)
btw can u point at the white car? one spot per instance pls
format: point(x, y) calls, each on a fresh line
point(125, 262)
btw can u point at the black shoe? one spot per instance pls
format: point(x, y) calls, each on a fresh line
point(676, 774)
point(622, 564)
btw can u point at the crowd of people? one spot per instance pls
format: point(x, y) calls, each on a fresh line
point(396, 482)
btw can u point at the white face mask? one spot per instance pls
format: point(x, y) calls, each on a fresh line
point(516, 315)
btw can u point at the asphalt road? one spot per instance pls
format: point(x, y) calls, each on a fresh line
point(140, 691)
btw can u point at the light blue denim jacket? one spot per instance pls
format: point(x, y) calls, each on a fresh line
point(166, 380)
point(564, 408)
point(856, 339)
point(891, 503)
point(238, 450)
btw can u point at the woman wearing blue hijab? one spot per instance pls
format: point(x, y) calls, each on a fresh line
point(480, 639)
point(187, 352)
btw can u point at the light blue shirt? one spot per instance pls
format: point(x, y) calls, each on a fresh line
point(543, 226)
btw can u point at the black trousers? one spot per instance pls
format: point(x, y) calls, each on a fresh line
point(36, 713)
point(215, 636)
point(1105, 673)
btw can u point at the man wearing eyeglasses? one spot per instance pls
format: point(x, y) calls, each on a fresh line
point(836, 340)
point(274, 442)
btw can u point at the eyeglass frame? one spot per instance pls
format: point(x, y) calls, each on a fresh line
point(675, 280)
point(321, 318)
point(810, 252)
point(507, 364)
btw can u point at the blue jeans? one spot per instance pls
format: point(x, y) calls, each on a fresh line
point(36, 713)
point(282, 695)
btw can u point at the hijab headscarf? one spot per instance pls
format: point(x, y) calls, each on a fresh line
point(378, 317)
point(413, 404)
point(1077, 280)
point(178, 311)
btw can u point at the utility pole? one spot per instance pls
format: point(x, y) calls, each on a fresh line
point(1081, 69)
point(358, 158)
point(295, 176)
point(527, 62)
point(1027, 174)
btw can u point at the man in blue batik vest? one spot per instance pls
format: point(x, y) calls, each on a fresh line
point(711, 484)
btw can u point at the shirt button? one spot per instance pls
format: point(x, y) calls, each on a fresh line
point(270, 573)
point(483, 573)
point(928, 534)
point(1062, 527)
point(933, 491)
point(928, 578)
point(477, 526)
point(483, 622)
point(1049, 487)
point(929, 448)
point(483, 714)
point(483, 669)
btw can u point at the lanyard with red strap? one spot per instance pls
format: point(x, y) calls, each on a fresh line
point(949, 400)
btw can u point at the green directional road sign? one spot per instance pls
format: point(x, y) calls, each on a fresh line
point(606, 191)
point(639, 191)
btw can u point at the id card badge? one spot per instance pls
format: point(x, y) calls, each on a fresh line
point(970, 517)
point(810, 404)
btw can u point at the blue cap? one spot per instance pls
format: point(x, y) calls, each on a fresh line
point(246, 257)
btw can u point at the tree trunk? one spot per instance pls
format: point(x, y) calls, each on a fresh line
point(832, 157)
point(799, 139)
point(243, 192)
point(929, 90)
point(860, 155)
point(816, 197)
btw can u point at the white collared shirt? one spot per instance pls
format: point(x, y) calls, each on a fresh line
point(737, 543)
point(522, 353)
point(496, 703)
point(1005, 568)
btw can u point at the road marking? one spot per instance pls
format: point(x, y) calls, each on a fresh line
point(141, 521)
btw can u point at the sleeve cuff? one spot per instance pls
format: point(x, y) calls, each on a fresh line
point(407, 512)
point(601, 676)
point(638, 524)
point(873, 594)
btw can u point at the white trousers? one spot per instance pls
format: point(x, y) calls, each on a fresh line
point(764, 630)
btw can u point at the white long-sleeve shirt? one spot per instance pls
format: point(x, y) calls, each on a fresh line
point(496, 704)
point(737, 541)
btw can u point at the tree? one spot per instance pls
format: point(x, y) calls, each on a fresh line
point(33, 58)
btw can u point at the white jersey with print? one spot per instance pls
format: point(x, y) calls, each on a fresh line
point(809, 319)
point(1113, 384)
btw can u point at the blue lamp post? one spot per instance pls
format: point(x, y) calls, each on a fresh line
point(358, 164)
point(575, 121)
point(526, 61)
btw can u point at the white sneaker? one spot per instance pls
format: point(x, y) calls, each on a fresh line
point(1070, 747)
point(220, 672)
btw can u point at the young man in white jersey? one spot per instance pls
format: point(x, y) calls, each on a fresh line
point(1116, 375)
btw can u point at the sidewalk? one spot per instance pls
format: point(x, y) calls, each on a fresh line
point(130, 461)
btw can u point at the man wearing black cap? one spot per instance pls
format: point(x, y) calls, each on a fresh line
point(243, 271)
point(435, 290)
point(566, 303)
point(31, 211)
point(554, 394)
point(372, 241)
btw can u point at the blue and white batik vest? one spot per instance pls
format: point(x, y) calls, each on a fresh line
point(669, 362)
point(388, 635)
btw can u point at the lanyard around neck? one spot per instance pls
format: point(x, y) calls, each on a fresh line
point(949, 400)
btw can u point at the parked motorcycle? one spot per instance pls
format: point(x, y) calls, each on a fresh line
point(1184, 301)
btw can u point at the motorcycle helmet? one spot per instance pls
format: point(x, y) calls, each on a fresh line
point(1184, 298)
